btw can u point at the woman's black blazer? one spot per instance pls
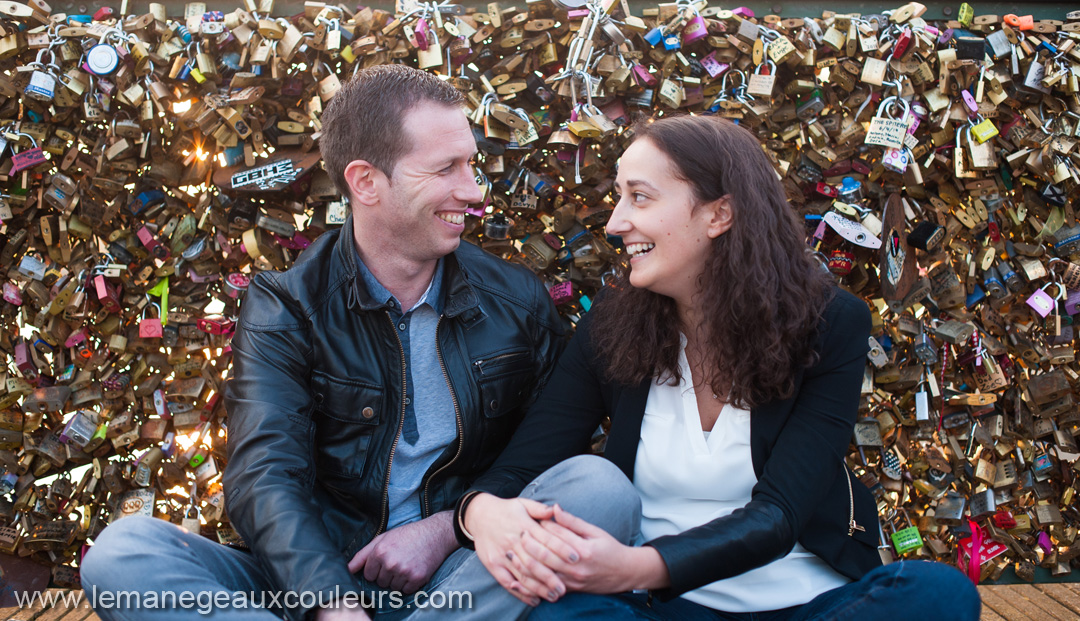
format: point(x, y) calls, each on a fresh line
point(797, 446)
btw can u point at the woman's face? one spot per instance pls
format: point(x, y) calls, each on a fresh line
point(666, 232)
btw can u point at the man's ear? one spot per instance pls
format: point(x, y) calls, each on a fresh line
point(721, 216)
point(364, 181)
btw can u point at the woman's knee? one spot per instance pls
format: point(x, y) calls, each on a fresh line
point(594, 489)
point(940, 583)
point(586, 606)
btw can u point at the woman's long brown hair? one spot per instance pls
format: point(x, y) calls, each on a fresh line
point(762, 294)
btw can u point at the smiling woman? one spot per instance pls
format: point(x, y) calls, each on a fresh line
point(730, 369)
point(707, 226)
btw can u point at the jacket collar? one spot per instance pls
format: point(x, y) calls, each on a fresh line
point(459, 293)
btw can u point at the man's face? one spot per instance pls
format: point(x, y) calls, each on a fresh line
point(423, 207)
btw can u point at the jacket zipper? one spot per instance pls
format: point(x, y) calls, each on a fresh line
point(479, 364)
point(401, 425)
point(852, 526)
point(457, 414)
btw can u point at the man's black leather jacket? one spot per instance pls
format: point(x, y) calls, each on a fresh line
point(316, 403)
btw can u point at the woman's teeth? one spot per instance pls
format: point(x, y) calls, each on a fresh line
point(452, 217)
point(638, 250)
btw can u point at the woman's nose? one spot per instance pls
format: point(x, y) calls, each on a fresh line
point(617, 223)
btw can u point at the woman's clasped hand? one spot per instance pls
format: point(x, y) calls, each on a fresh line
point(539, 552)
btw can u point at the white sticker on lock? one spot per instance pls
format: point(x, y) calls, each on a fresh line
point(852, 231)
point(886, 131)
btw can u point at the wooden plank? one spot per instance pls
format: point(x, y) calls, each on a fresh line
point(988, 614)
point(1042, 600)
point(33, 612)
point(78, 614)
point(1023, 604)
point(1068, 595)
point(991, 599)
point(64, 611)
point(92, 617)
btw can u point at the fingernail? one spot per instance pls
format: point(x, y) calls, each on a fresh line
point(573, 557)
point(552, 596)
point(534, 602)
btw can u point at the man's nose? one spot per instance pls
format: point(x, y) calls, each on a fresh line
point(468, 191)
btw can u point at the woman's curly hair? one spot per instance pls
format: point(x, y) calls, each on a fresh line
point(763, 295)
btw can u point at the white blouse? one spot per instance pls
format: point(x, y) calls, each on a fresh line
point(687, 477)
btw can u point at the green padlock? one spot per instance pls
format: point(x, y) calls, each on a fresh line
point(906, 539)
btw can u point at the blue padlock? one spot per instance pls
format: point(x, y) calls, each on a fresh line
point(654, 37)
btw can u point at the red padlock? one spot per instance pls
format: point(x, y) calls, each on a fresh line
point(102, 14)
point(841, 262)
point(108, 296)
point(215, 325)
point(1003, 519)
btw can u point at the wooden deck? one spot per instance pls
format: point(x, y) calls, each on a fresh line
point(1039, 602)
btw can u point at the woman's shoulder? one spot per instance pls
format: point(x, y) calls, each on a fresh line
point(845, 324)
point(844, 306)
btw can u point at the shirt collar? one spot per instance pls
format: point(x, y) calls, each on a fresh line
point(432, 297)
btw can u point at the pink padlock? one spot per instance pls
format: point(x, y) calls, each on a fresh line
point(1045, 543)
point(712, 66)
point(694, 30)
point(643, 77)
point(12, 294)
point(423, 32)
point(562, 292)
point(1041, 302)
point(150, 327)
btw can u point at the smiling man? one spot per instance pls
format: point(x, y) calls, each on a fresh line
point(373, 381)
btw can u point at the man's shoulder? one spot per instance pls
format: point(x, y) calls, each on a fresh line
point(291, 296)
point(497, 277)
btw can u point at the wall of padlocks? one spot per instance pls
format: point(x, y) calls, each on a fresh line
point(152, 163)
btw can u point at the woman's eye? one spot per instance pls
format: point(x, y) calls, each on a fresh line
point(638, 197)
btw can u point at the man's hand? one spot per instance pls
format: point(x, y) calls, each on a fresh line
point(405, 558)
point(342, 613)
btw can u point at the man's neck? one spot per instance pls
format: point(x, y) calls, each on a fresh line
point(405, 279)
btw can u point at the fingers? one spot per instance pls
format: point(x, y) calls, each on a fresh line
point(576, 524)
point(398, 581)
point(536, 577)
point(537, 510)
point(566, 535)
point(360, 558)
point(373, 568)
point(503, 576)
point(523, 584)
point(548, 548)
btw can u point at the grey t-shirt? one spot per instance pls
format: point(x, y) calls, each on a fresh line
point(430, 424)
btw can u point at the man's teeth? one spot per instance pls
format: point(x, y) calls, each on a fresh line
point(637, 250)
point(452, 217)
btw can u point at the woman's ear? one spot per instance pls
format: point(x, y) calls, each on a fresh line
point(363, 179)
point(721, 216)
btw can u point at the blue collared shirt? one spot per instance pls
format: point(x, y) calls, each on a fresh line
point(430, 424)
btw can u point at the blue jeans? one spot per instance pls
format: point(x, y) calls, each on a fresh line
point(137, 557)
point(904, 590)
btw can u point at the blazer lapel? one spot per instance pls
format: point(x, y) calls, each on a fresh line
point(629, 411)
